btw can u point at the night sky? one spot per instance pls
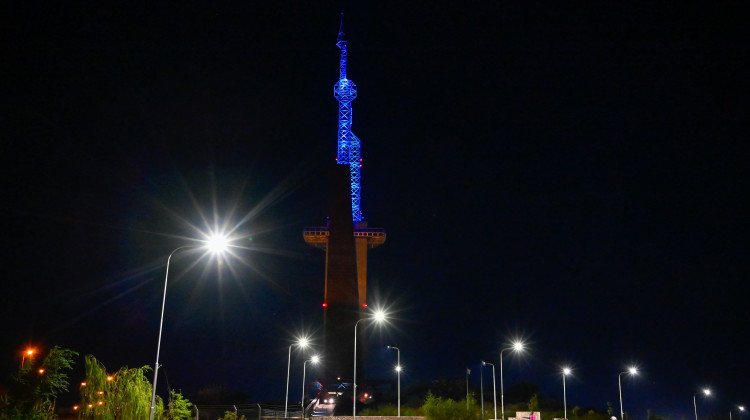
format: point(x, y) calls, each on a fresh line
point(574, 175)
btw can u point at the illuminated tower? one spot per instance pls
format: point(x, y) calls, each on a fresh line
point(346, 238)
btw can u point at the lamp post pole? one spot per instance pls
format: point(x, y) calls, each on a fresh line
point(494, 388)
point(631, 371)
point(517, 346)
point(217, 243)
point(379, 316)
point(481, 386)
point(398, 371)
point(302, 343)
point(161, 324)
point(695, 405)
point(565, 373)
point(314, 360)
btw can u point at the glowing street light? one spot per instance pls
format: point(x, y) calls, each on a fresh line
point(739, 407)
point(215, 244)
point(494, 389)
point(378, 317)
point(565, 372)
point(705, 392)
point(633, 371)
point(315, 359)
point(302, 343)
point(398, 371)
point(28, 353)
point(517, 347)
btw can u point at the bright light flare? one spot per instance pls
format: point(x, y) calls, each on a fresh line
point(566, 371)
point(518, 346)
point(379, 316)
point(741, 407)
point(217, 243)
point(315, 359)
point(707, 391)
point(29, 352)
point(303, 342)
point(633, 370)
point(398, 368)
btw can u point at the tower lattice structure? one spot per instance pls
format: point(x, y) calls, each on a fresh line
point(345, 239)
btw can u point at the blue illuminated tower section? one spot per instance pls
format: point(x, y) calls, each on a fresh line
point(346, 239)
point(349, 151)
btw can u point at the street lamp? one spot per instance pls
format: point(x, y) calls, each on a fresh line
point(315, 359)
point(739, 407)
point(633, 371)
point(378, 317)
point(215, 244)
point(517, 346)
point(494, 389)
point(705, 392)
point(481, 386)
point(302, 343)
point(565, 372)
point(398, 370)
point(29, 353)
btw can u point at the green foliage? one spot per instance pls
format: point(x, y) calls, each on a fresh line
point(125, 394)
point(436, 408)
point(231, 415)
point(534, 403)
point(36, 386)
point(179, 407)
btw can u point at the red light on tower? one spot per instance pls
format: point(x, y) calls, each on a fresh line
point(325, 304)
point(364, 305)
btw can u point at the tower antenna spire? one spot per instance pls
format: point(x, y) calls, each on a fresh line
point(349, 150)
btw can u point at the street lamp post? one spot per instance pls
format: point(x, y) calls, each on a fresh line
point(302, 343)
point(314, 360)
point(29, 352)
point(705, 392)
point(481, 386)
point(739, 407)
point(517, 346)
point(216, 244)
point(379, 317)
point(565, 372)
point(494, 389)
point(398, 370)
point(632, 371)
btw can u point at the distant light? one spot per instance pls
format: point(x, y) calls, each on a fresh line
point(101, 402)
point(30, 352)
point(91, 405)
point(315, 359)
point(707, 391)
point(41, 371)
point(83, 383)
point(109, 378)
point(75, 407)
point(742, 408)
point(367, 395)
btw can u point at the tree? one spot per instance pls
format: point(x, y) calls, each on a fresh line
point(36, 386)
point(534, 403)
point(179, 407)
point(125, 394)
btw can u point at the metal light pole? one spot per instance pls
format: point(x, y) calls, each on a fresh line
point(494, 389)
point(706, 392)
point(468, 372)
point(398, 370)
point(379, 317)
point(302, 343)
point(481, 386)
point(314, 360)
point(631, 371)
point(29, 352)
point(565, 372)
point(517, 346)
point(217, 244)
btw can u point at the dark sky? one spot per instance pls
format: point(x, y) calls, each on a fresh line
point(572, 174)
